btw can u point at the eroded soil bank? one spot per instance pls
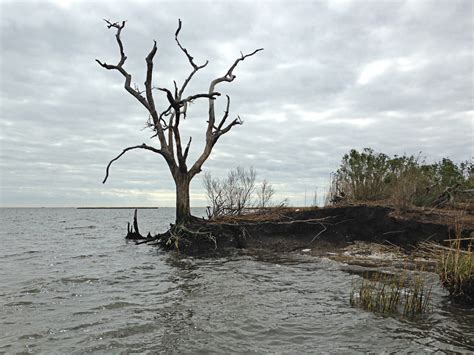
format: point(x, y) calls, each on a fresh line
point(315, 230)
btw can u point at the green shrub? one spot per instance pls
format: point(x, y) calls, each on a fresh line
point(405, 180)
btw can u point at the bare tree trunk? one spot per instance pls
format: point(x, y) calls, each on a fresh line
point(166, 123)
point(183, 210)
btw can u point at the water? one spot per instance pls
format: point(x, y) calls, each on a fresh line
point(71, 284)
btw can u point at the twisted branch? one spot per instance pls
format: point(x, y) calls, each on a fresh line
point(119, 65)
point(142, 146)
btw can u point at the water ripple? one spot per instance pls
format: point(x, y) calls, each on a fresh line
point(71, 284)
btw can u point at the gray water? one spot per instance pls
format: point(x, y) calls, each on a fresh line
point(70, 283)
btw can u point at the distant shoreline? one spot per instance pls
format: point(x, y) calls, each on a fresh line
point(117, 208)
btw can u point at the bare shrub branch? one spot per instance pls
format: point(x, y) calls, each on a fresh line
point(232, 194)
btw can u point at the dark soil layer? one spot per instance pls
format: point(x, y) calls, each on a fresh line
point(287, 230)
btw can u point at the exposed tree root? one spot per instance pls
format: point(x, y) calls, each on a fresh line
point(296, 230)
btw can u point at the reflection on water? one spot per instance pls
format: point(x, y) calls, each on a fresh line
point(71, 283)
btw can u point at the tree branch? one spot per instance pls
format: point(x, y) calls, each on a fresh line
point(229, 73)
point(190, 59)
point(186, 151)
point(229, 76)
point(171, 100)
point(210, 96)
point(221, 132)
point(226, 114)
point(119, 65)
point(211, 136)
point(142, 146)
point(149, 76)
point(178, 104)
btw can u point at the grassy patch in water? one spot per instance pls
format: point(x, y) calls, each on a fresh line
point(456, 265)
point(456, 272)
point(390, 294)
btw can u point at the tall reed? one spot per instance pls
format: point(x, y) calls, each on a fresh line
point(390, 294)
point(456, 265)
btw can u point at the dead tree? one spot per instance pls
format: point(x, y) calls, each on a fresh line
point(166, 122)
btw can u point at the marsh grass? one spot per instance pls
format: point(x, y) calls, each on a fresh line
point(456, 272)
point(392, 294)
point(456, 264)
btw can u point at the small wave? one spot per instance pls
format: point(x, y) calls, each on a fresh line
point(31, 336)
point(83, 256)
point(78, 280)
point(81, 227)
point(144, 267)
point(19, 303)
point(82, 326)
point(81, 313)
point(22, 253)
point(117, 305)
point(128, 331)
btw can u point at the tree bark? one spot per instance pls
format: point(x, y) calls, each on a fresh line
point(183, 209)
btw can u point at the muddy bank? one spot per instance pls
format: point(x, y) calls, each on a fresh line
point(317, 229)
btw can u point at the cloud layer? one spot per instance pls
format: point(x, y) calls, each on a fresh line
point(396, 76)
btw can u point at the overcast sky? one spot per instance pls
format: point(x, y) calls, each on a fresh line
point(396, 76)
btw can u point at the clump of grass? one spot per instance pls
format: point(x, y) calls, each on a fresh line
point(454, 262)
point(456, 272)
point(456, 265)
point(389, 294)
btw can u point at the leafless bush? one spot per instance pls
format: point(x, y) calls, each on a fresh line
point(215, 195)
point(237, 192)
point(265, 193)
point(232, 194)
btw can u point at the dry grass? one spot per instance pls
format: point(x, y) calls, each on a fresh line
point(263, 215)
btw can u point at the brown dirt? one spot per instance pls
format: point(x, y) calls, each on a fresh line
point(321, 229)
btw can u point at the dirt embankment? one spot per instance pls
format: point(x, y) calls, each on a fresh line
point(325, 228)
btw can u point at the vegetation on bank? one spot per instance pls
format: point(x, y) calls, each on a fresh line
point(455, 263)
point(402, 181)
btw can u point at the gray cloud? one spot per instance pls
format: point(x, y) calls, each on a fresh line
point(335, 75)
